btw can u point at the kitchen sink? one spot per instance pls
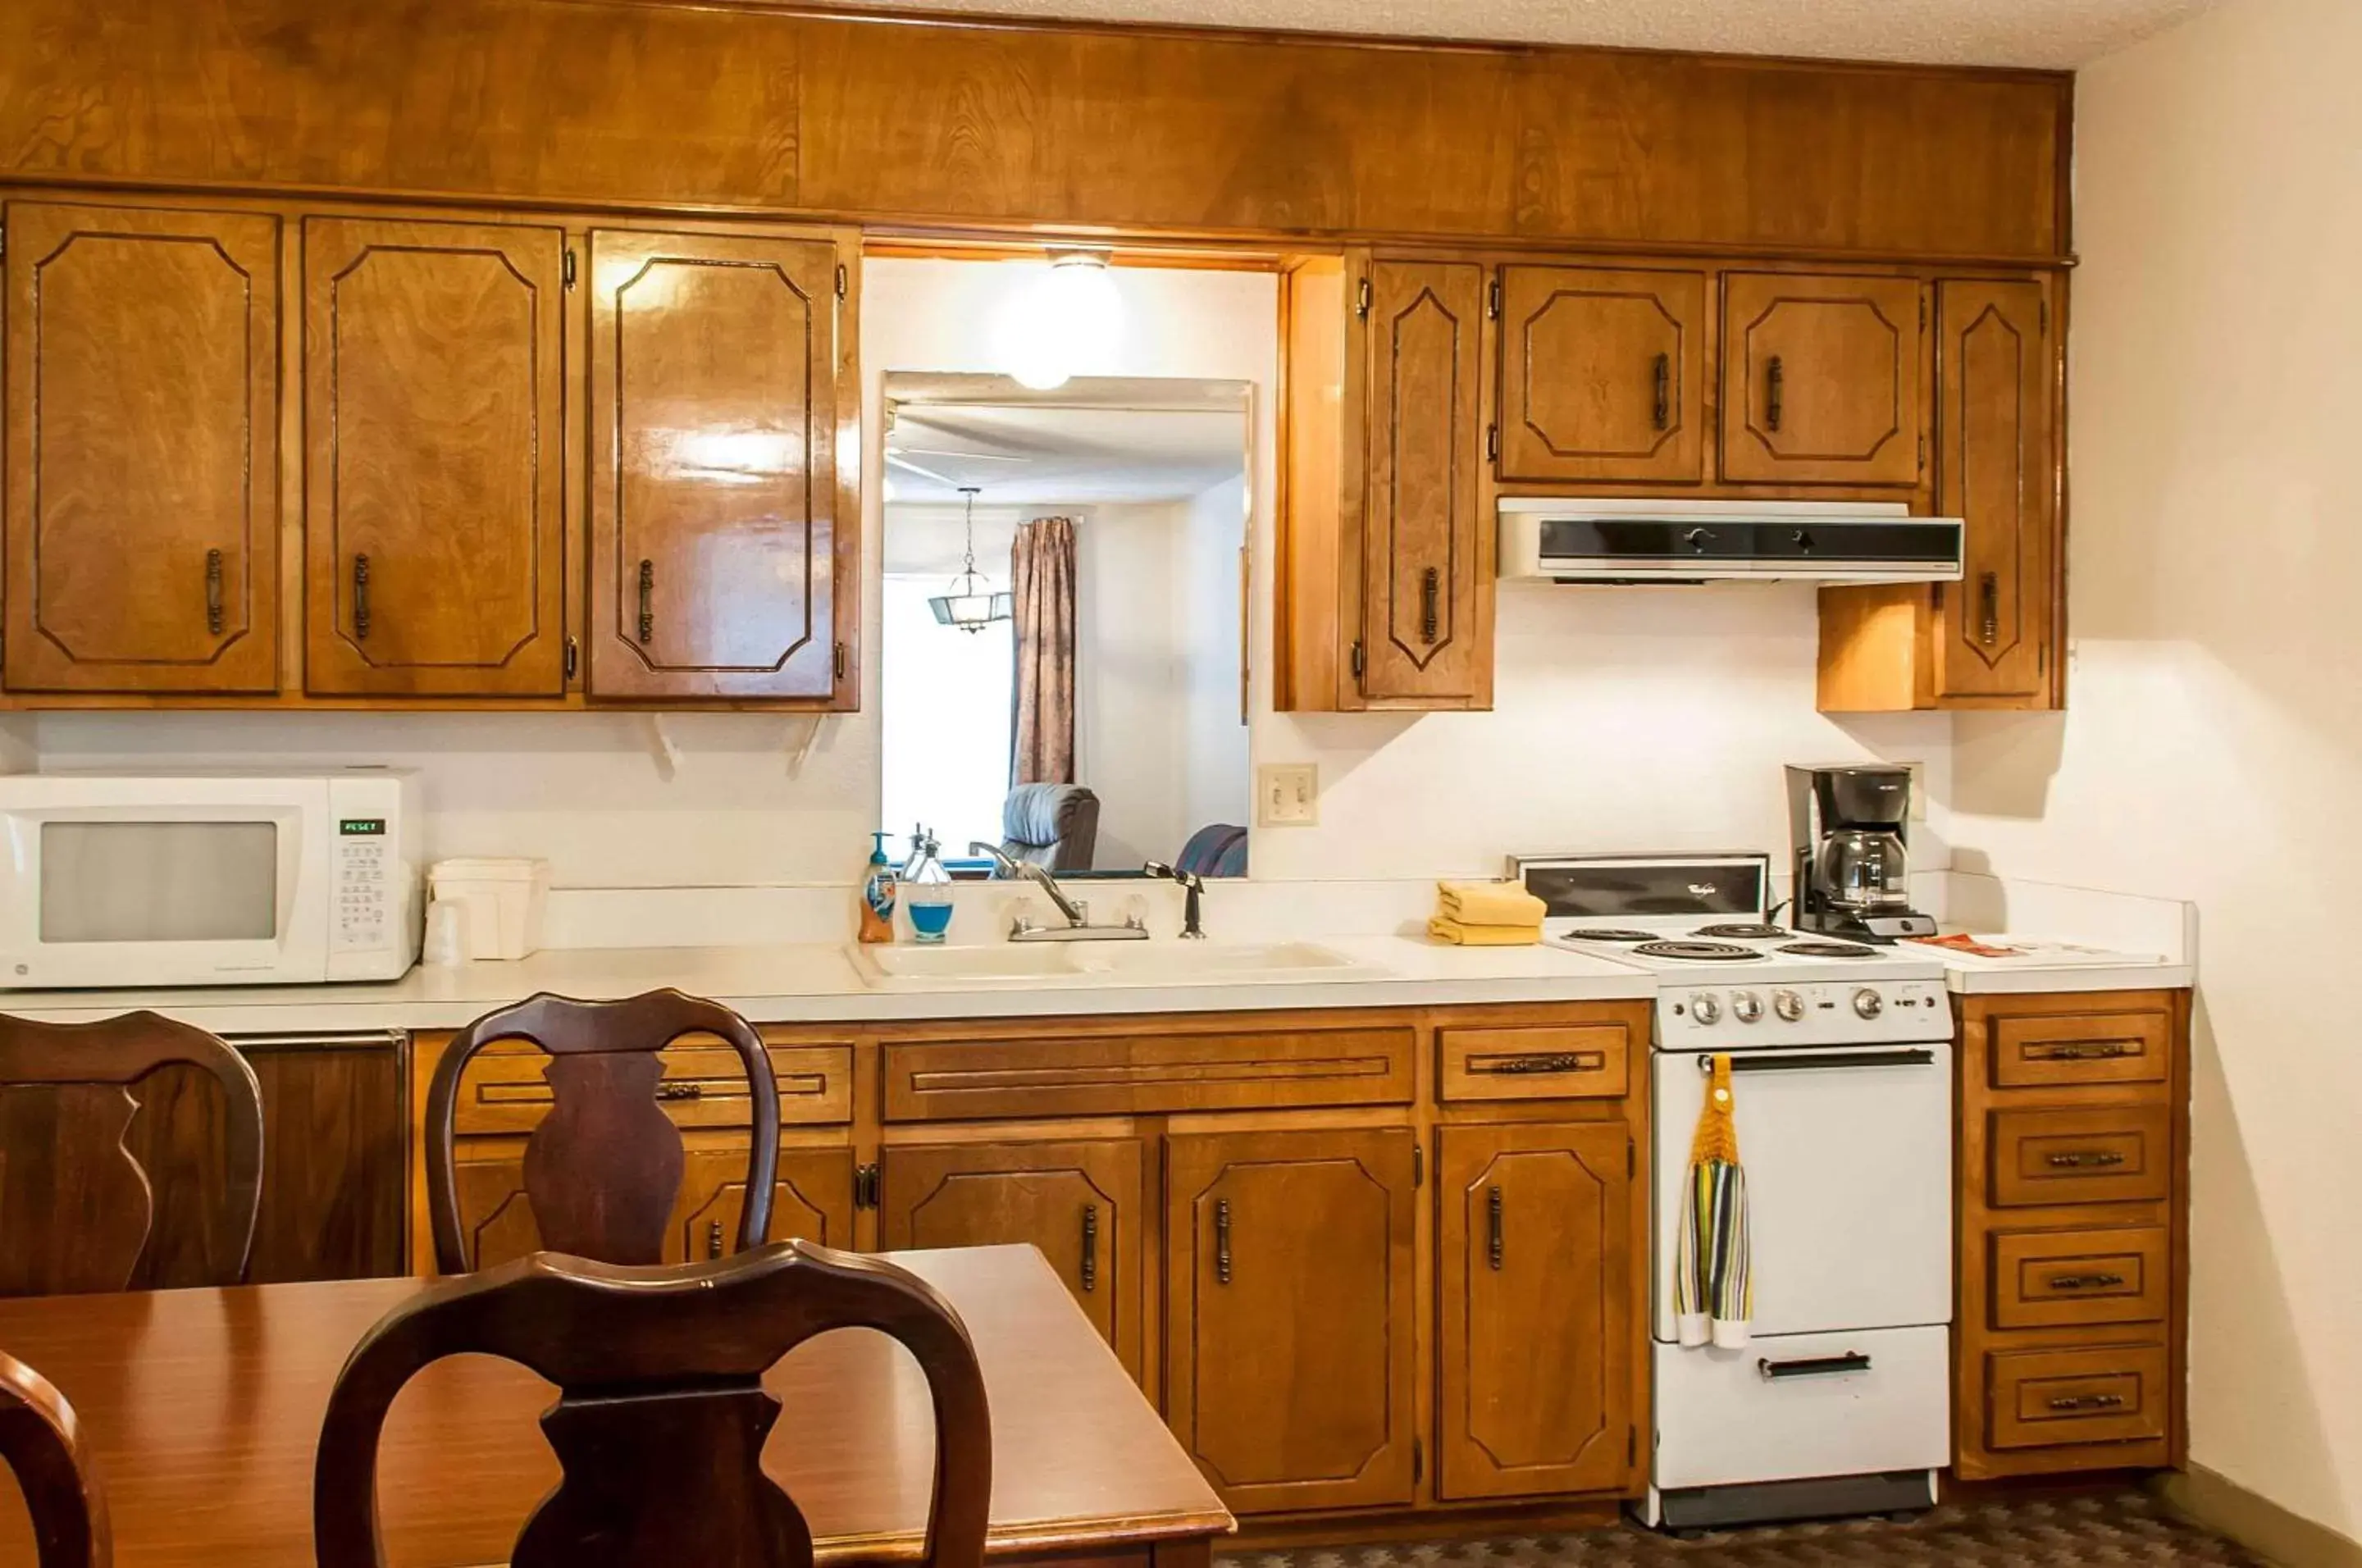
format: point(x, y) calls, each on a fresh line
point(1024, 964)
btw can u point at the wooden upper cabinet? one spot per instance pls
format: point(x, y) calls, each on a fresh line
point(1078, 1201)
point(142, 450)
point(1291, 1315)
point(1996, 467)
point(1536, 1266)
point(723, 536)
point(1603, 374)
point(1426, 547)
point(1821, 379)
point(435, 457)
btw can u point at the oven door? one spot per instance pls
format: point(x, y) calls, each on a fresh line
point(1848, 1152)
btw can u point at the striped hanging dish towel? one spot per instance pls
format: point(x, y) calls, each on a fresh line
point(1714, 1284)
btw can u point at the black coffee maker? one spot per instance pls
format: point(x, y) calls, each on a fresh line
point(1851, 862)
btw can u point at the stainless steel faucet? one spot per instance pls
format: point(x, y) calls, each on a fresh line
point(1078, 926)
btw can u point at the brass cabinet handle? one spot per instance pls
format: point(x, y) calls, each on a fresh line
point(648, 602)
point(214, 592)
point(1664, 390)
point(1775, 392)
point(713, 1238)
point(1989, 599)
point(1222, 1240)
point(1091, 1246)
point(1430, 584)
point(361, 596)
point(2083, 1053)
point(2084, 1281)
point(2088, 1402)
point(2085, 1159)
point(680, 1088)
point(1542, 1062)
point(1497, 1242)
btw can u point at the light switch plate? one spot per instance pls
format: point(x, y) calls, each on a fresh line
point(1287, 794)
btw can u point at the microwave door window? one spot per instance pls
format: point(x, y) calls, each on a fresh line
point(173, 881)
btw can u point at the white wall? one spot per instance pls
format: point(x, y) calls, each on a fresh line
point(2215, 728)
point(1132, 673)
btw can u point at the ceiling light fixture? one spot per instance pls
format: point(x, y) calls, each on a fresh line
point(970, 605)
point(1067, 320)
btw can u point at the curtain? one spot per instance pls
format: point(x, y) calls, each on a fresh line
point(1041, 581)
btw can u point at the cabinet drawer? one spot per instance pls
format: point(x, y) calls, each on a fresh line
point(2049, 1399)
point(2108, 1154)
point(703, 1086)
point(1535, 1061)
point(2049, 1050)
point(1154, 1070)
point(2049, 1279)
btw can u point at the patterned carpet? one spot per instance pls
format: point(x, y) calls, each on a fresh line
point(2126, 1530)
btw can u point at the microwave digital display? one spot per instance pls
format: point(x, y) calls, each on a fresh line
point(362, 827)
point(158, 881)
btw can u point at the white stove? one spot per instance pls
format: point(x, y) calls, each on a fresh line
point(1841, 1062)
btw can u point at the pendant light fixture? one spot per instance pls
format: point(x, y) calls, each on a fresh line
point(1066, 319)
point(970, 605)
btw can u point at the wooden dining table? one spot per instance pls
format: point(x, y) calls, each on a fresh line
point(203, 1408)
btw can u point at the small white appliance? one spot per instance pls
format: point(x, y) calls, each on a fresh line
point(201, 879)
point(1659, 540)
point(1841, 1067)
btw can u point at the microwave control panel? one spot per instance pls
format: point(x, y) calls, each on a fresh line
point(373, 914)
point(367, 883)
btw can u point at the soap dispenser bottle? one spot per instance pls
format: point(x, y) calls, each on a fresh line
point(877, 895)
point(929, 888)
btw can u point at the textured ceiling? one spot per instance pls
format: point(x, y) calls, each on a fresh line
point(2053, 33)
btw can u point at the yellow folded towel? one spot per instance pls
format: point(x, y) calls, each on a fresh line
point(1444, 930)
point(1488, 904)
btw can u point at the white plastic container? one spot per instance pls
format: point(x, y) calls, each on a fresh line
point(504, 900)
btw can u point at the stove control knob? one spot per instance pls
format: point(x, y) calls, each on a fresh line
point(1788, 1005)
point(1745, 1007)
point(1868, 1003)
point(1704, 1009)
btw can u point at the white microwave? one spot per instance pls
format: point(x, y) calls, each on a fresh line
point(208, 879)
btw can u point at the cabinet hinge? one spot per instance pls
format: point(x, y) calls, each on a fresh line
point(1631, 1158)
point(1360, 661)
point(1417, 1462)
point(573, 657)
point(569, 266)
point(844, 280)
point(864, 1186)
point(1492, 299)
point(1418, 1164)
point(1362, 300)
point(840, 661)
point(1492, 443)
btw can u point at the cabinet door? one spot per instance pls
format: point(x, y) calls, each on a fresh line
point(1079, 1202)
point(434, 457)
point(1821, 379)
point(1290, 1317)
point(811, 1200)
point(722, 541)
point(1602, 374)
point(1426, 556)
point(1536, 1269)
point(142, 450)
point(1995, 468)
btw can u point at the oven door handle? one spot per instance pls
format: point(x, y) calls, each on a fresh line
point(1813, 1366)
point(1782, 1061)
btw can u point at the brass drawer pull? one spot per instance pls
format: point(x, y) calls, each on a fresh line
point(1091, 1246)
point(1775, 389)
point(1542, 1062)
point(1498, 1243)
point(1430, 582)
point(2083, 1053)
point(360, 597)
point(1222, 1240)
point(2088, 1402)
point(680, 1088)
point(214, 592)
point(2084, 1281)
point(1664, 405)
point(648, 602)
point(1988, 596)
point(2085, 1159)
point(713, 1238)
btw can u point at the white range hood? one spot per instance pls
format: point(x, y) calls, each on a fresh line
point(1649, 540)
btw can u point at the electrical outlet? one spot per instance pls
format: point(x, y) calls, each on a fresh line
point(1287, 794)
point(1918, 790)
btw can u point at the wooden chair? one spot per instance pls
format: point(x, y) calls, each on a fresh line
point(41, 1442)
point(603, 1168)
point(661, 1414)
point(75, 1205)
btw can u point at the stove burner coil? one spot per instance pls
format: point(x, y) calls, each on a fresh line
point(1702, 952)
point(1607, 933)
point(1831, 950)
point(1745, 931)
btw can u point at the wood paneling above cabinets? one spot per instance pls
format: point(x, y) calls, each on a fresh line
point(424, 475)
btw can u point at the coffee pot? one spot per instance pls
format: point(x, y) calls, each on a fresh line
point(1851, 827)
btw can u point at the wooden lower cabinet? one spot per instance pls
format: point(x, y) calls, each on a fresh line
point(1289, 1262)
point(333, 1164)
point(1078, 1200)
point(1535, 1269)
